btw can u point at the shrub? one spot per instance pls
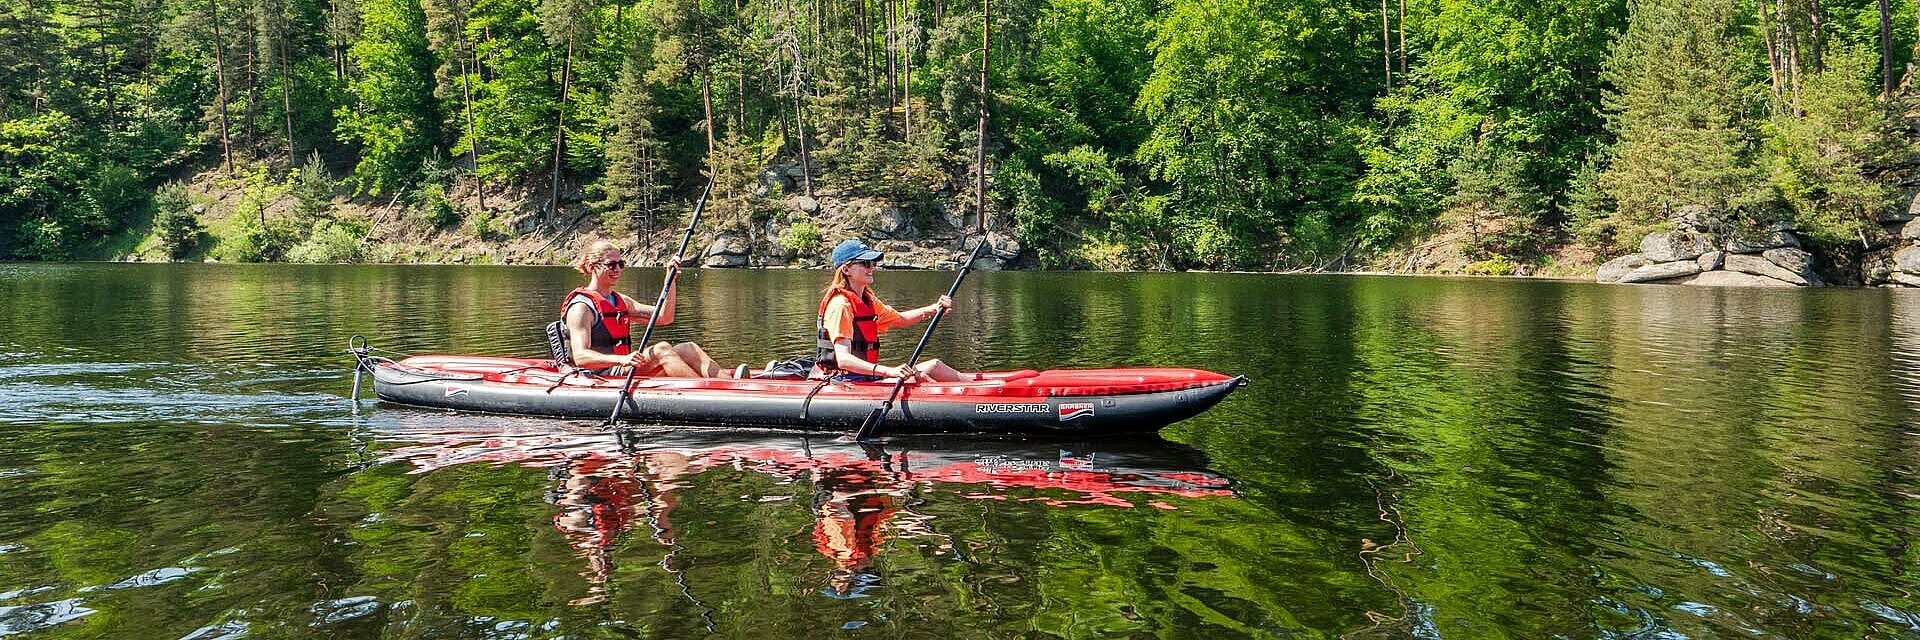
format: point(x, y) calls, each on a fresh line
point(174, 221)
point(330, 242)
point(487, 226)
point(803, 238)
point(441, 212)
point(312, 188)
point(1497, 265)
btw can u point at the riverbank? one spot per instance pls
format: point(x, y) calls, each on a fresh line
point(456, 225)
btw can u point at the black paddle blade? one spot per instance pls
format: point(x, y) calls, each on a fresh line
point(871, 425)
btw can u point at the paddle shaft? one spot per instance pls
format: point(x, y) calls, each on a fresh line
point(879, 415)
point(626, 388)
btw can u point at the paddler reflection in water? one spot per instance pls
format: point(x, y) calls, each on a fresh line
point(851, 320)
point(599, 320)
point(598, 498)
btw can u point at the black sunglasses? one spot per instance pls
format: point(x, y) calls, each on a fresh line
point(614, 264)
point(860, 263)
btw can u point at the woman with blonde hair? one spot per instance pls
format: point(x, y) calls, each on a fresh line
point(851, 320)
point(598, 321)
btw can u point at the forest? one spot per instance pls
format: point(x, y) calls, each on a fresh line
point(1107, 134)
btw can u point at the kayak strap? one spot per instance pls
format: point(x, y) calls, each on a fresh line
point(809, 401)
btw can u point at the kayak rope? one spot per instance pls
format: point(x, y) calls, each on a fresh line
point(364, 360)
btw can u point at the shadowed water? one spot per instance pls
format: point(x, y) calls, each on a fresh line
point(1415, 458)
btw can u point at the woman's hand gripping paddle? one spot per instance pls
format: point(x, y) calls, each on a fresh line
point(626, 388)
point(871, 426)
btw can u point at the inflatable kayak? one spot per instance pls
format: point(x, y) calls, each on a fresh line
point(1058, 401)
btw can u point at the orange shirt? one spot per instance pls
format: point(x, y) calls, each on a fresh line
point(838, 319)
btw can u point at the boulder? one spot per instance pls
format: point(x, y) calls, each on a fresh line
point(1621, 266)
point(1710, 260)
point(730, 249)
point(891, 222)
point(1896, 214)
point(1734, 279)
point(1002, 245)
point(1762, 242)
point(1905, 279)
point(1877, 268)
point(1760, 266)
point(1907, 259)
point(1692, 216)
point(1795, 260)
point(1661, 271)
point(806, 204)
point(1911, 231)
point(725, 261)
point(1669, 246)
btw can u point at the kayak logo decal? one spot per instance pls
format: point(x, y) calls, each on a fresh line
point(996, 407)
point(1073, 410)
point(455, 390)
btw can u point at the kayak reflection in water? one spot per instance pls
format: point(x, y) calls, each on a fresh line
point(599, 321)
point(851, 320)
point(862, 498)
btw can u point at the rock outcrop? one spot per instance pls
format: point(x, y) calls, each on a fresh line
point(1772, 258)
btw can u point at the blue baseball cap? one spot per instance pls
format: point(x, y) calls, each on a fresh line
point(854, 249)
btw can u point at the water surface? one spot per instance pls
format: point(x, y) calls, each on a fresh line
point(1415, 458)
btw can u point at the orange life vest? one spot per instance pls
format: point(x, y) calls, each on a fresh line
point(866, 330)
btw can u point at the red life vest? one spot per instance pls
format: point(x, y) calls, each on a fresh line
point(611, 321)
point(866, 330)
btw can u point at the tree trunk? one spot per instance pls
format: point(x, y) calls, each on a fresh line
point(1402, 23)
point(286, 97)
point(1886, 49)
point(980, 158)
point(1819, 35)
point(220, 76)
point(1386, 45)
point(560, 133)
point(248, 126)
point(466, 88)
point(1792, 46)
point(800, 130)
point(333, 40)
point(887, 40)
point(906, 78)
point(1773, 52)
point(706, 105)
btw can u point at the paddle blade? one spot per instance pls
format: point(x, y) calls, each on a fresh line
point(872, 424)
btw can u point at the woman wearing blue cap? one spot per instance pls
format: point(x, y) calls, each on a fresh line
point(851, 320)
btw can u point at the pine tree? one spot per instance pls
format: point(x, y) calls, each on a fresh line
point(1682, 109)
point(636, 162)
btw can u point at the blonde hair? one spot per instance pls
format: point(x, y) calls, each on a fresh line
point(839, 281)
point(595, 251)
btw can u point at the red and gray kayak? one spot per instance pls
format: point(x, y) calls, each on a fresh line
point(1056, 401)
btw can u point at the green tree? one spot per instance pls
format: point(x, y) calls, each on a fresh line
point(394, 116)
point(1682, 109)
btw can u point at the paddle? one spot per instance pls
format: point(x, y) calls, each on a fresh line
point(879, 415)
point(626, 388)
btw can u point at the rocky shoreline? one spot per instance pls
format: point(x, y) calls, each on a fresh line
point(1773, 257)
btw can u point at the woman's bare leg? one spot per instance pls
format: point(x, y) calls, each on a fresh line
point(939, 371)
point(698, 360)
point(668, 362)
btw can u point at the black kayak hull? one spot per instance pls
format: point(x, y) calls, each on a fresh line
point(807, 405)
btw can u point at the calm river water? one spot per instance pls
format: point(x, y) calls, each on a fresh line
point(1418, 458)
